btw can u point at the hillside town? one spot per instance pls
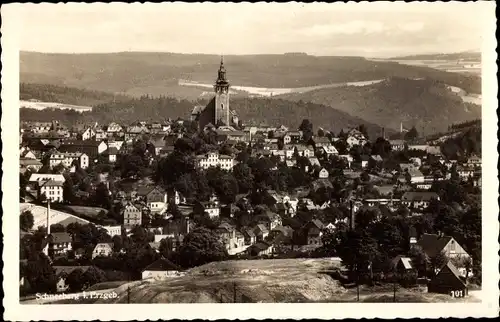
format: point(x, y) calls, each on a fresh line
point(150, 200)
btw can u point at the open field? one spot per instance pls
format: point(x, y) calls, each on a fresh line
point(86, 212)
point(60, 106)
point(56, 217)
point(268, 92)
point(470, 66)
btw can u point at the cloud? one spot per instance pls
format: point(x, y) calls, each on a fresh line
point(413, 26)
point(320, 28)
point(349, 28)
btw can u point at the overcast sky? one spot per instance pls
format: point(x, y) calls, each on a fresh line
point(375, 30)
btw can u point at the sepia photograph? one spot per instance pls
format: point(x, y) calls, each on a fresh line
point(209, 153)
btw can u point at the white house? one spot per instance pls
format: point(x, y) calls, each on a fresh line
point(474, 161)
point(417, 177)
point(397, 145)
point(112, 153)
point(212, 208)
point(323, 174)
point(53, 190)
point(418, 199)
point(88, 134)
point(39, 177)
point(329, 150)
point(67, 159)
point(113, 230)
point(214, 159)
point(102, 249)
point(114, 128)
point(304, 151)
point(161, 269)
point(132, 216)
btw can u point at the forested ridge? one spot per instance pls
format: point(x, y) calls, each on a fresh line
point(147, 108)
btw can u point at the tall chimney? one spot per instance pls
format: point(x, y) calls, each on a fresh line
point(383, 133)
point(48, 217)
point(46, 248)
point(353, 217)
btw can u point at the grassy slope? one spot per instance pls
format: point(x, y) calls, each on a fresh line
point(413, 102)
point(158, 73)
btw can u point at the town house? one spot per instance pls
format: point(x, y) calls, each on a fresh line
point(87, 134)
point(67, 159)
point(433, 244)
point(90, 148)
point(418, 200)
point(214, 159)
point(102, 249)
point(52, 190)
point(132, 216)
point(59, 244)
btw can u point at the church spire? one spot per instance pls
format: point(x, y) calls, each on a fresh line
point(221, 77)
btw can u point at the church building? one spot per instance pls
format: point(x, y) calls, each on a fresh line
point(217, 111)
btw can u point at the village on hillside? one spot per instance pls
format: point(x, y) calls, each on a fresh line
point(105, 203)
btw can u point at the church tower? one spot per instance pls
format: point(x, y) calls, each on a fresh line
point(221, 88)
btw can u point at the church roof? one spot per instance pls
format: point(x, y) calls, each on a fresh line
point(197, 109)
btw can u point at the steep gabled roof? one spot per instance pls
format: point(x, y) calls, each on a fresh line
point(419, 196)
point(68, 269)
point(163, 264)
point(433, 244)
point(60, 238)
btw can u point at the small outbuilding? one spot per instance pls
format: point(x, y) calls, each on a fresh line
point(162, 268)
point(448, 281)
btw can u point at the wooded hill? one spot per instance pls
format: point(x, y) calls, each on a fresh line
point(66, 95)
point(128, 110)
point(426, 104)
point(139, 73)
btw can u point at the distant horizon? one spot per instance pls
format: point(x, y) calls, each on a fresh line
point(375, 30)
point(472, 51)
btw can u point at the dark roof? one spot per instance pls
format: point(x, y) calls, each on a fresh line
point(313, 232)
point(419, 196)
point(433, 244)
point(68, 269)
point(453, 269)
point(321, 139)
point(162, 264)
point(317, 223)
point(406, 261)
point(60, 238)
point(364, 157)
point(112, 150)
point(260, 246)
point(81, 143)
point(262, 228)
point(248, 232)
point(144, 190)
point(441, 280)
